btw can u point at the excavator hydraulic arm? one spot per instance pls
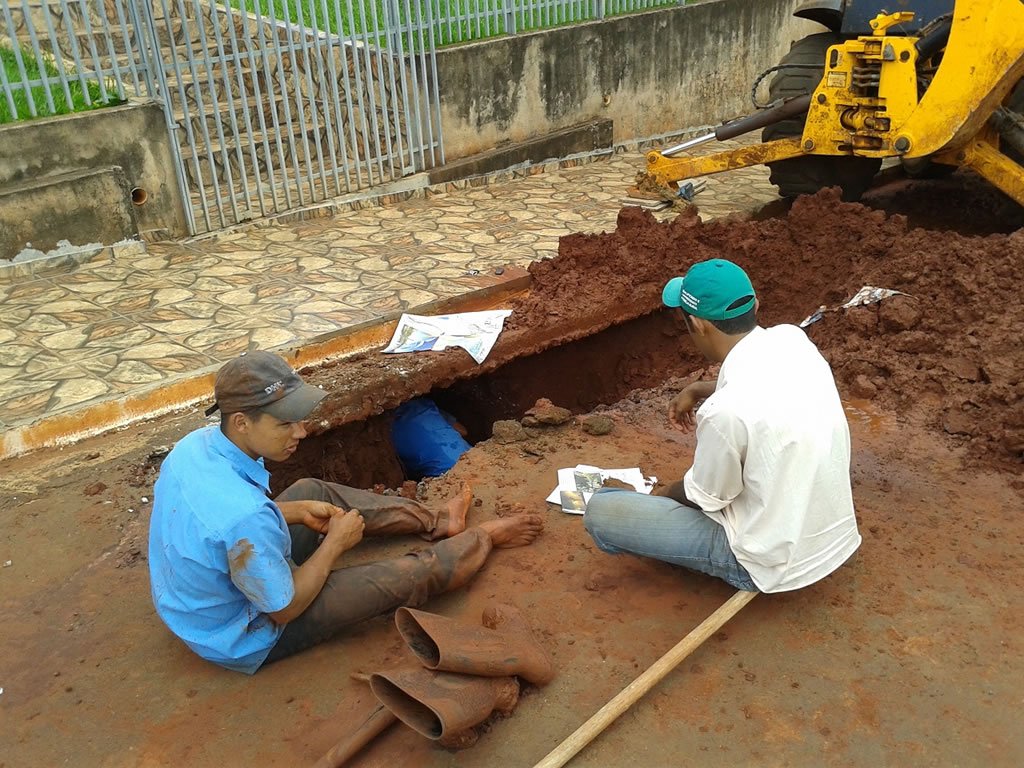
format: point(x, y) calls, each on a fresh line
point(868, 102)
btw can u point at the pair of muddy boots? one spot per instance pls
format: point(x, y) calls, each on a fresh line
point(468, 672)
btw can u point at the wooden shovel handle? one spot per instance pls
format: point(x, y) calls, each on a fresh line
point(375, 724)
point(345, 749)
point(587, 732)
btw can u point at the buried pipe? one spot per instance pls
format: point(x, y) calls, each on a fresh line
point(632, 693)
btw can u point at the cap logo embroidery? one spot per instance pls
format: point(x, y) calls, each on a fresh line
point(689, 299)
point(274, 387)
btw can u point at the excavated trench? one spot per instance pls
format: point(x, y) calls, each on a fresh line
point(580, 375)
point(947, 354)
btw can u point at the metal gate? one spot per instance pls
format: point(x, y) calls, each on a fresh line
point(277, 104)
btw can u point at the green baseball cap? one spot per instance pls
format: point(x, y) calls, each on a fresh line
point(715, 289)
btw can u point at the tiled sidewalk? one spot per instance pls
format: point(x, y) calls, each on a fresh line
point(110, 329)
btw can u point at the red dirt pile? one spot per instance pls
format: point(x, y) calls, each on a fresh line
point(950, 355)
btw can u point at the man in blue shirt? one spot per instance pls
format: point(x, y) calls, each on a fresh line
point(245, 580)
point(428, 441)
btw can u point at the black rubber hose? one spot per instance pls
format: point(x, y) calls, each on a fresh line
point(783, 111)
point(1010, 127)
point(934, 40)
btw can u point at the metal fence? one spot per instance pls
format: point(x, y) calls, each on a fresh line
point(267, 108)
point(62, 56)
point(271, 112)
point(271, 105)
point(464, 20)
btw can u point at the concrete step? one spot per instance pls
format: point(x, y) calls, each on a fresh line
point(224, 109)
point(241, 142)
point(91, 206)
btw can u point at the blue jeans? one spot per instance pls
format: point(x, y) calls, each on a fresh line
point(662, 528)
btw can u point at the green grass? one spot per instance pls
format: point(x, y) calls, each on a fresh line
point(61, 105)
point(368, 16)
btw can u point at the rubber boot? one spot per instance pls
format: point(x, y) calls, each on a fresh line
point(441, 705)
point(504, 646)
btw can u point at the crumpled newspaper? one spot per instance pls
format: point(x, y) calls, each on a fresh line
point(475, 332)
point(869, 294)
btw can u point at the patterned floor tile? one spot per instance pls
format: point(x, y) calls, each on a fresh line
point(446, 287)
point(29, 397)
point(376, 301)
point(187, 317)
point(146, 364)
point(411, 260)
point(81, 342)
point(22, 359)
point(182, 272)
point(126, 301)
point(226, 342)
point(116, 326)
point(327, 286)
point(341, 268)
point(318, 317)
point(412, 298)
point(89, 289)
point(258, 294)
point(33, 324)
point(32, 293)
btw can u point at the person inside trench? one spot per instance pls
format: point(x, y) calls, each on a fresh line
point(767, 503)
point(427, 440)
point(244, 579)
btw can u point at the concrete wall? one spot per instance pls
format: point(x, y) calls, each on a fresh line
point(132, 137)
point(651, 73)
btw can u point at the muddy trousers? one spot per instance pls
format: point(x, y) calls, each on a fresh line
point(352, 595)
point(662, 528)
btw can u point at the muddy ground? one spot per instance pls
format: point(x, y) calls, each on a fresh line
point(911, 654)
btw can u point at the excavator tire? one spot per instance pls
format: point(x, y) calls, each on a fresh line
point(806, 175)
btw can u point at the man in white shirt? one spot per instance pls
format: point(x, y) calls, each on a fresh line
point(767, 504)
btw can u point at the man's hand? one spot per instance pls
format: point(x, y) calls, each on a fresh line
point(312, 514)
point(681, 411)
point(675, 491)
point(344, 531)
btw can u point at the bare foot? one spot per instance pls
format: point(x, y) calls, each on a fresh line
point(458, 508)
point(515, 531)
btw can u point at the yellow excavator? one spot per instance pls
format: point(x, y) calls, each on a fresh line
point(935, 84)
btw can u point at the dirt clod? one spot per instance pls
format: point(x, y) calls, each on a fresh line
point(94, 489)
point(508, 431)
point(899, 313)
point(598, 424)
point(546, 413)
point(963, 368)
point(957, 422)
point(862, 387)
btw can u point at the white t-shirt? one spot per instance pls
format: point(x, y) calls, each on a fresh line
point(772, 464)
